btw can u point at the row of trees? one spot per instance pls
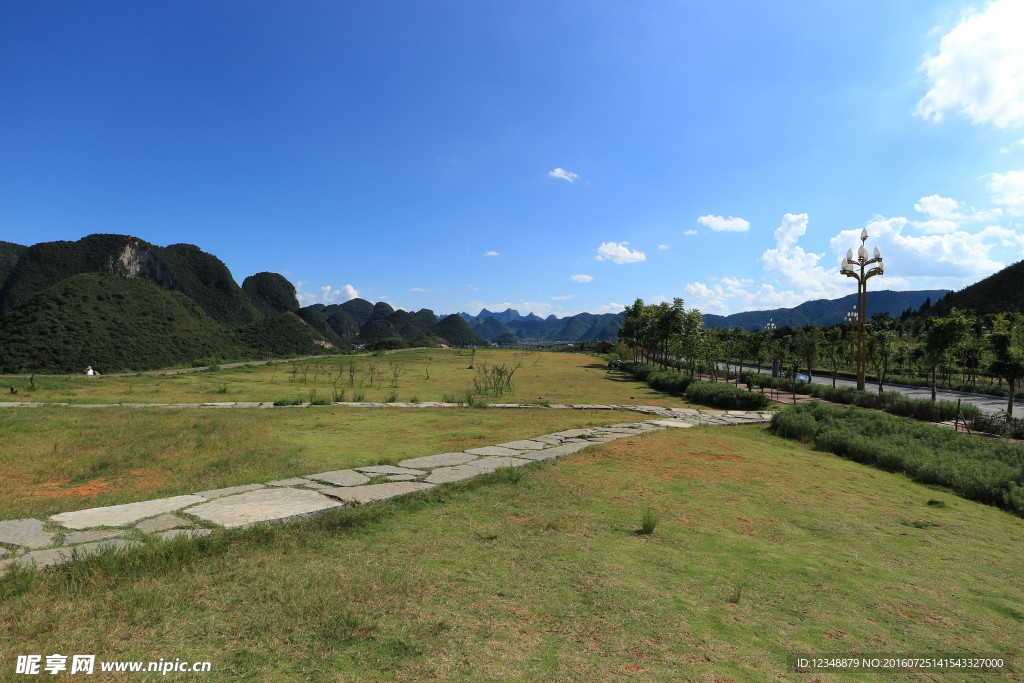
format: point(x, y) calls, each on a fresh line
point(958, 349)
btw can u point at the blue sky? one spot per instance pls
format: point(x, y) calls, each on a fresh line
point(555, 157)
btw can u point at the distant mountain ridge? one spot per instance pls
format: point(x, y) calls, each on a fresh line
point(827, 311)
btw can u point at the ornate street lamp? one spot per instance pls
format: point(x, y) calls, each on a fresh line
point(770, 326)
point(859, 270)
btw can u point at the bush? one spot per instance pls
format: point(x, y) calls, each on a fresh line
point(983, 470)
point(726, 396)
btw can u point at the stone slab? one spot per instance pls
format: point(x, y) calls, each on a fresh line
point(49, 558)
point(341, 478)
point(524, 445)
point(187, 533)
point(230, 491)
point(374, 492)
point(444, 475)
point(389, 469)
point(678, 424)
point(265, 505)
point(493, 462)
point(439, 460)
point(401, 477)
point(294, 481)
point(573, 433)
point(162, 523)
point(26, 532)
point(316, 485)
point(123, 515)
point(491, 450)
point(88, 536)
point(556, 452)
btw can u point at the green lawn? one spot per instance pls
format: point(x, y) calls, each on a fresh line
point(423, 375)
point(763, 548)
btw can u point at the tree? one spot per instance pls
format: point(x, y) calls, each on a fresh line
point(836, 348)
point(943, 337)
point(883, 344)
point(1007, 344)
point(806, 343)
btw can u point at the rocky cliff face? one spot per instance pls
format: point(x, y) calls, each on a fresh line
point(136, 260)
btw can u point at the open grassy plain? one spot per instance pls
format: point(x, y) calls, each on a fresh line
point(763, 548)
point(56, 459)
point(417, 375)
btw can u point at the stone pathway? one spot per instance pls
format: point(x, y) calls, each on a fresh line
point(68, 535)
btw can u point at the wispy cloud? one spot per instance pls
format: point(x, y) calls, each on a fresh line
point(418, 289)
point(720, 224)
point(618, 252)
point(581, 278)
point(328, 294)
point(563, 298)
point(977, 69)
point(689, 232)
point(662, 247)
point(490, 253)
point(564, 175)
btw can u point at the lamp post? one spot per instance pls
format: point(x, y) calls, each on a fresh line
point(858, 269)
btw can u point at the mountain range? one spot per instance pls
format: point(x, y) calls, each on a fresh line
point(119, 303)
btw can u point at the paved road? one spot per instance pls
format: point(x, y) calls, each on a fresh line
point(987, 404)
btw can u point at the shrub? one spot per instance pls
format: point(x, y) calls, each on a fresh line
point(648, 521)
point(725, 396)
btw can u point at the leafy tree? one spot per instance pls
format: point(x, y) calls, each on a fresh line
point(836, 347)
point(806, 344)
point(883, 345)
point(1007, 344)
point(942, 339)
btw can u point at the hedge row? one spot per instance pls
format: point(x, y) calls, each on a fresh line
point(716, 394)
point(985, 470)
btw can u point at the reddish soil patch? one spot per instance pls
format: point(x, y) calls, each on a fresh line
point(634, 669)
point(56, 489)
point(522, 519)
point(730, 458)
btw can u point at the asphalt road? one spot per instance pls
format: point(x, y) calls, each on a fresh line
point(987, 404)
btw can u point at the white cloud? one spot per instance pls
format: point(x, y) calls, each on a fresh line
point(581, 278)
point(564, 175)
point(611, 307)
point(662, 247)
point(563, 298)
point(979, 68)
point(618, 252)
point(490, 253)
point(689, 232)
point(327, 294)
point(418, 289)
point(1008, 191)
point(1012, 146)
point(720, 224)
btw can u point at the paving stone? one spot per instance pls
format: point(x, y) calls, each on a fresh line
point(493, 462)
point(373, 492)
point(549, 439)
point(556, 452)
point(187, 533)
point(230, 491)
point(444, 475)
point(341, 478)
point(389, 469)
point(439, 460)
point(584, 406)
point(161, 523)
point(86, 536)
point(524, 445)
point(573, 433)
point(316, 485)
point(679, 424)
point(491, 450)
point(265, 505)
point(49, 558)
point(401, 477)
point(123, 515)
point(294, 481)
point(26, 532)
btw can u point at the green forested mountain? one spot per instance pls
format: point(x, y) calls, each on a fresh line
point(111, 322)
point(270, 293)
point(119, 303)
point(999, 292)
point(9, 255)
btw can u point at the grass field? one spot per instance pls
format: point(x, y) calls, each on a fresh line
point(763, 548)
point(56, 459)
point(419, 375)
